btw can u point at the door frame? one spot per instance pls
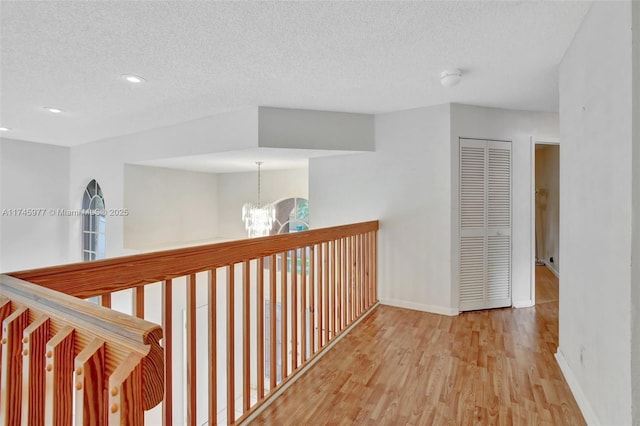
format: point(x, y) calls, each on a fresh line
point(532, 226)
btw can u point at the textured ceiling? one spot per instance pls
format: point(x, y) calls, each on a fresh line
point(201, 58)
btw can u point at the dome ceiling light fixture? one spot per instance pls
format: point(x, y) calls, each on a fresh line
point(54, 110)
point(450, 77)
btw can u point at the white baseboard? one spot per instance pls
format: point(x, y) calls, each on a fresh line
point(552, 269)
point(583, 403)
point(523, 304)
point(441, 310)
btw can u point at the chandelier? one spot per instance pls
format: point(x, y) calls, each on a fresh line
point(258, 219)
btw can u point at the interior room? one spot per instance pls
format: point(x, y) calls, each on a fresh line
point(320, 212)
point(547, 221)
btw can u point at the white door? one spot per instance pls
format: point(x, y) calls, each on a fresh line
point(485, 224)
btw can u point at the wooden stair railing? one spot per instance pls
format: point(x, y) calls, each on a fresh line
point(58, 351)
point(272, 305)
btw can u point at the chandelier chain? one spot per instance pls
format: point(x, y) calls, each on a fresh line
point(259, 163)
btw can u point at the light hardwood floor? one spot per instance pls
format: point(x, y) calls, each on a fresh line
point(407, 367)
point(547, 287)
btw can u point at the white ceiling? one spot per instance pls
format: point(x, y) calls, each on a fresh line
point(201, 58)
point(244, 160)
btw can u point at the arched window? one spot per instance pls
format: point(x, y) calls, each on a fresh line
point(93, 222)
point(292, 215)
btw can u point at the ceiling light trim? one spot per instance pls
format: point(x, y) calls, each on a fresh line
point(450, 77)
point(133, 78)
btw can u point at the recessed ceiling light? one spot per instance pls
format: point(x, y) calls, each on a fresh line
point(54, 110)
point(4, 129)
point(136, 79)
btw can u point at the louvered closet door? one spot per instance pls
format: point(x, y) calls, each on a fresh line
point(485, 224)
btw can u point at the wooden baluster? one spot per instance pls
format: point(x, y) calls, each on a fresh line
point(320, 281)
point(138, 298)
point(352, 284)
point(361, 274)
point(105, 300)
point(246, 337)
point(212, 310)
point(361, 277)
point(191, 352)
point(346, 270)
point(5, 311)
point(355, 278)
point(260, 327)
point(365, 284)
point(294, 310)
point(347, 274)
point(11, 387)
point(284, 283)
point(34, 341)
point(339, 268)
point(327, 296)
point(167, 341)
point(89, 384)
point(312, 307)
point(374, 267)
point(231, 369)
point(59, 378)
point(330, 297)
point(272, 324)
point(355, 271)
point(373, 270)
point(303, 305)
point(368, 270)
point(336, 293)
point(125, 393)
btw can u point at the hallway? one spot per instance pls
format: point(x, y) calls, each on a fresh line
point(407, 367)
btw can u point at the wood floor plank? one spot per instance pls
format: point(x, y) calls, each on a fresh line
point(406, 367)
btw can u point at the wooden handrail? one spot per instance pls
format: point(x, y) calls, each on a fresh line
point(274, 304)
point(123, 337)
point(89, 279)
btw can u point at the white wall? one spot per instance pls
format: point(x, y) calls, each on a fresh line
point(635, 273)
point(36, 176)
point(405, 184)
point(105, 160)
point(168, 207)
point(235, 189)
point(548, 204)
point(596, 215)
point(520, 127)
point(244, 129)
point(410, 183)
point(310, 129)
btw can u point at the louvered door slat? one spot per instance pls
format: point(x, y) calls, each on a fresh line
point(472, 273)
point(498, 271)
point(499, 185)
point(472, 187)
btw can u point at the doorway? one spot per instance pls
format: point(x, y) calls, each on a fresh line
point(545, 217)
